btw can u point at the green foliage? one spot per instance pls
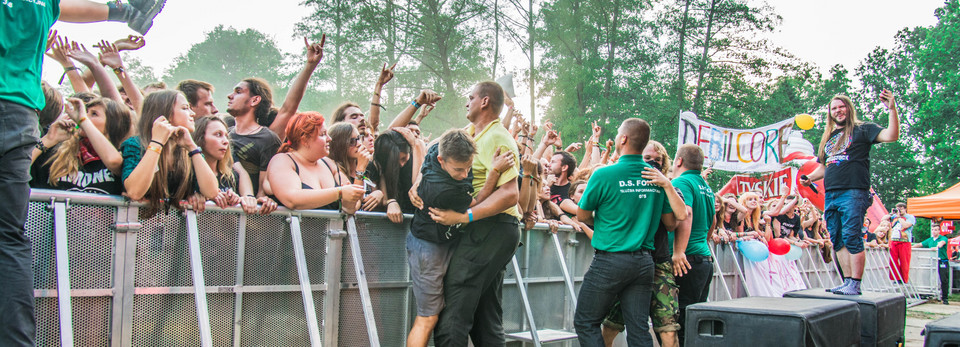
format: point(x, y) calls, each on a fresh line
point(227, 56)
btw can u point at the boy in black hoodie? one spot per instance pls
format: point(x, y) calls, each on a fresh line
point(445, 182)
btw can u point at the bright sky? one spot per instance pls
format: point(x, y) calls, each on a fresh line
point(825, 32)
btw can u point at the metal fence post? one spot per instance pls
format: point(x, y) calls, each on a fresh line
point(334, 265)
point(125, 257)
point(371, 322)
point(238, 296)
point(63, 273)
point(305, 289)
point(199, 284)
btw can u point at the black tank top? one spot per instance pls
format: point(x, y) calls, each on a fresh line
point(296, 168)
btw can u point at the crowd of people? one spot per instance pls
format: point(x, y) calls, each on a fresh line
point(650, 215)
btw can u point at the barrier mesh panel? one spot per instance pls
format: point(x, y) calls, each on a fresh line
point(273, 319)
point(218, 247)
point(314, 233)
point(390, 308)
point(48, 321)
point(91, 321)
point(220, 307)
point(165, 320)
point(39, 229)
point(268, 258)
point(91, 246)
point(163, 259)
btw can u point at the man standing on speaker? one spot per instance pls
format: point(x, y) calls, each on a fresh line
point(845, 154)
point(625, 202)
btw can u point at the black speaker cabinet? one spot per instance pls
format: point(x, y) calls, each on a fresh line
point(780, 322)
point(943, 333)
point(882, 315)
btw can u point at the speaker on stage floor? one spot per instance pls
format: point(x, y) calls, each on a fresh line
point(781, 322)
point(944, 332)
point(882, 315)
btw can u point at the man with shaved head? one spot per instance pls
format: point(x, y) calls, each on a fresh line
point(625, 202)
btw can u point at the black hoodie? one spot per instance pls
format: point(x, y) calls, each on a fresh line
point(438, 189)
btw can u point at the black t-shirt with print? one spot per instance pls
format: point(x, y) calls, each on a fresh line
point(848, 164)
point(559, 193)
point(789, 227)
point(254, 151)
point(94, 177)
point(662, 248)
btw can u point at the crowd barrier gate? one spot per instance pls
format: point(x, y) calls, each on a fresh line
point(106, 277)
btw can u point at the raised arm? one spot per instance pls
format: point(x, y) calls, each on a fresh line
point(298, 88)
point(109, 155)
point(373, 116)
point(892, 132)
point(110, 56)
point(139, 180)
point(107, 88)
point(58, 52)
point(426, 97)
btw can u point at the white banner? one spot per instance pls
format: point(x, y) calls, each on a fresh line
point(740, 150)
point(772, 277)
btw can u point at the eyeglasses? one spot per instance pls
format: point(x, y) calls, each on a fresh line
point(354, 141)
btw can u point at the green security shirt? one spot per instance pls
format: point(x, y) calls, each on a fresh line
point(697, 194)
point(23, 37)
point(932, 243)
point(626, 206)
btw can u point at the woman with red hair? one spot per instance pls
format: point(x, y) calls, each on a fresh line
point(302, 177)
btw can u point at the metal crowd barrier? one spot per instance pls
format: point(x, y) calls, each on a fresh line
point(106, 277)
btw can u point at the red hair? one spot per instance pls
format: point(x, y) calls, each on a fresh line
point(302, 126)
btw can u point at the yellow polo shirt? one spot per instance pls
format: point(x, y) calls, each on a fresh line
point(488, 140)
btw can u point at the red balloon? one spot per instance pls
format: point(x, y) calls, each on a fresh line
point(779, 246)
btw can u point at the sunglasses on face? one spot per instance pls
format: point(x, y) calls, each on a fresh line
point(354, 141)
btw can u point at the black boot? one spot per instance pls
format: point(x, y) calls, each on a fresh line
point(138, 14)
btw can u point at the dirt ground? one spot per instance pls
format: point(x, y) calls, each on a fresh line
point(918, 317)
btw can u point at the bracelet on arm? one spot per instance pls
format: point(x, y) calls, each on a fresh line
point(415, 104)
point(158, 142)
point(378, 105)
point(339, 193)
point(41, 147)
point(118, 70)
point(80, 121)
point(65, 70)
point(469, 215)
point(389, 201)
point(196, 151)
point(154, 148)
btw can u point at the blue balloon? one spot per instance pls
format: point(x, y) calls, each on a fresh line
point(753, 250)
point(794, 254)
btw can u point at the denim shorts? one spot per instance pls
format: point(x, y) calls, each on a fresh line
point(428, 265)
point(843, 212)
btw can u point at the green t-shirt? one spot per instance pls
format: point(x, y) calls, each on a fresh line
point(23, 36)
point(697, 194)
point(626, 206)
point(933, 241)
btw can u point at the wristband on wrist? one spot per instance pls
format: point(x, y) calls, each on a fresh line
point(118, 70)
point(154, 148)
point(339, 193)
point(65, 70)
point(195, 151)
point(469, 215)
point(157, 142)
point(415, 104)
point(41, 147)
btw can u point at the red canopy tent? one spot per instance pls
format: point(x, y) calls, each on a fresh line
point(945, 204)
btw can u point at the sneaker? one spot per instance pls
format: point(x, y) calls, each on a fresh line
point(144, 13)
point(853, 288)
point(844, 284)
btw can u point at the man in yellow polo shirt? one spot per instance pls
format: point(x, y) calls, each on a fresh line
point(475, 276)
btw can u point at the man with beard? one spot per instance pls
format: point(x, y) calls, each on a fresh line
point(845, 154)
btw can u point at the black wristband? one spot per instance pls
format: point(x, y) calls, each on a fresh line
point(157, 142)
point(195, 152)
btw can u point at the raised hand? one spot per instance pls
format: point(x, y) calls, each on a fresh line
point(596, 132)
point(364, 157)
point(109, 55)
point(428, 97)
point(60, 47)
point(550, 137)
point(407, 135)
point(61, 130)
point(130, 43)
point(75, 109)
point(573, 147)
point(386, 74)
point(315, 50)
point(888, 99)
point(162, 129)
point(80, 53)
point(51, 39)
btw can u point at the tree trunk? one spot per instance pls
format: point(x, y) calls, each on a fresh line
point(611, 55)
point(496, 37)
point(697, 102)
point(533, 79)
point(681, 85)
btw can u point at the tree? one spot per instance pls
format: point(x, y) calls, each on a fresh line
point(227, 56)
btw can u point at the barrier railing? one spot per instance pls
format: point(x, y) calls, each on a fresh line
point(106, 277)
